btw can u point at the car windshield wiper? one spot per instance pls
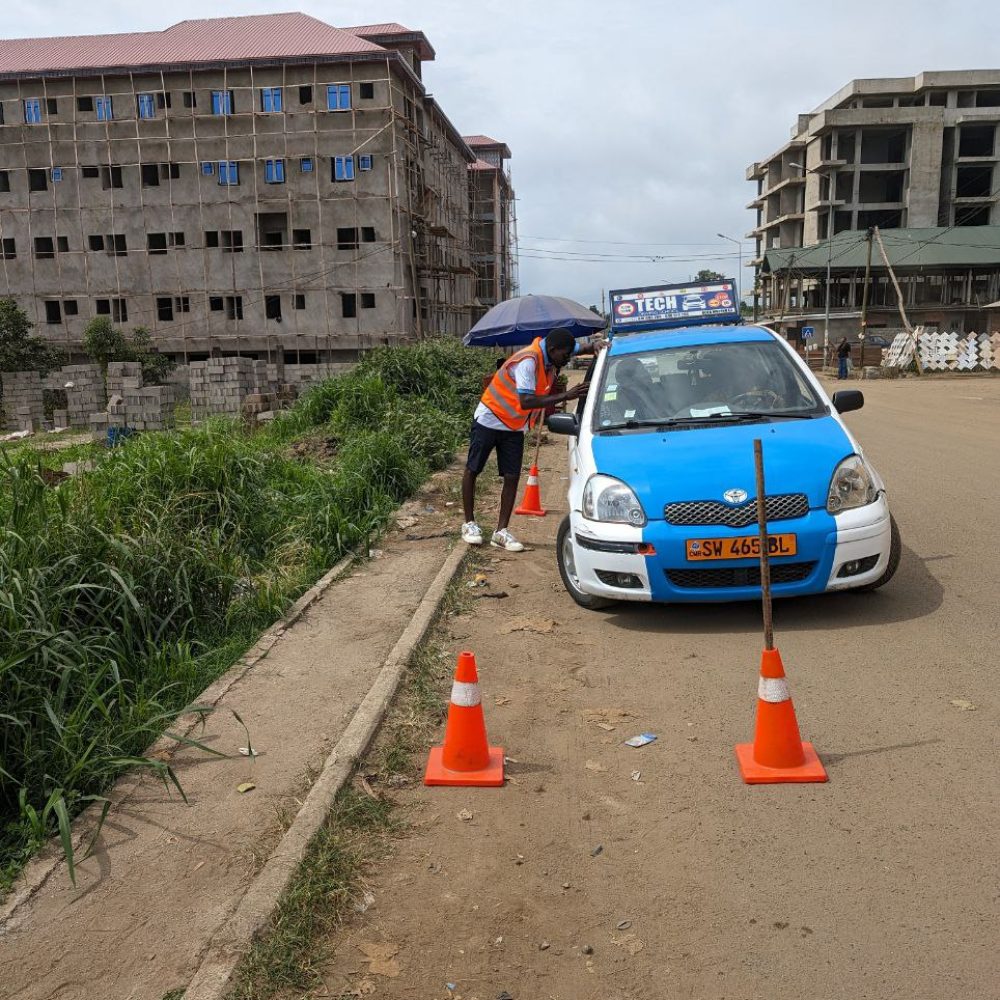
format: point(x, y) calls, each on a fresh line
point(709, 418)
point(769, 414)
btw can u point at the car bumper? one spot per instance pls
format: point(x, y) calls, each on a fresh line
point(622, 562)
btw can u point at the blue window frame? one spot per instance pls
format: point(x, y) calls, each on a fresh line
point(57, 174)
point(274, 171)
point(222, 102)
point(208, 169)
point(270, 99)
point(147, 106)
point(365, 161)
point(33, 111)
point(306, 164)
point(103, 108)
point(229, 172)
point(343, 168)
point(338, 97)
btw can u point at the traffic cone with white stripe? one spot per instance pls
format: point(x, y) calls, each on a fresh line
point(466, 757)
point(777, 754)
point(532, 502)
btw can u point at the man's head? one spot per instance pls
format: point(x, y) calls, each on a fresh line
point(559, 346)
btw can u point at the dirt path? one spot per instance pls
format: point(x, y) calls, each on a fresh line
point(166, 875)
point(582, 880)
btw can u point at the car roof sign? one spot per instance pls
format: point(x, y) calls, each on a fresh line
point(664, 306)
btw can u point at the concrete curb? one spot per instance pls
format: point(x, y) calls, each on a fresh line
point(38, 871)
point(231, 941)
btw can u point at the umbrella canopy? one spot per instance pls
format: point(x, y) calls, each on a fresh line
point(519, 321)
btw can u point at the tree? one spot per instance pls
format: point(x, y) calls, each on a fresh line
point(705, 276)
point(19, 351)
point(106, 343)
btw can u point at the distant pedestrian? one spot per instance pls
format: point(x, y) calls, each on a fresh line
point(843, 358)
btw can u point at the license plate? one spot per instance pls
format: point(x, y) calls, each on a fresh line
point(701, 549)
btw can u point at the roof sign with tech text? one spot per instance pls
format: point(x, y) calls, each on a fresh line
point(673, 305)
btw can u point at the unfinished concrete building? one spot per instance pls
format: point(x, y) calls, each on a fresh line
point(269, 186)
point(904, 154)
point(493, 223)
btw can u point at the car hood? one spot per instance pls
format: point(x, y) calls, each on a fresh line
point(702, 463)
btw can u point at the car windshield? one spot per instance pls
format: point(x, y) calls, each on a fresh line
point(703, 385)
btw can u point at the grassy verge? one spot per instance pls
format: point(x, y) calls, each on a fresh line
point(288, 958)
point(127, 590)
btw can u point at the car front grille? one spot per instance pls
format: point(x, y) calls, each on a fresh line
point(782, 507)
point(738, 576)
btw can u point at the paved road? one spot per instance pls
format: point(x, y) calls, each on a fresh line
point(881, 884)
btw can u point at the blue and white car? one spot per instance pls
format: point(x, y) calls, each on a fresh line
point(662, 489)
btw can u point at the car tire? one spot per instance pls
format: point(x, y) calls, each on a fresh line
point(895, 553)
point(564, 556)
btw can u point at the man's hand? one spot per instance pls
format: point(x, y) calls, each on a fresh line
point(578, 391)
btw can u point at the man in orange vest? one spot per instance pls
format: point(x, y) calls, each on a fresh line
point(515, 399)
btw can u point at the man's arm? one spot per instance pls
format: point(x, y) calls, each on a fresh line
point(529, 401)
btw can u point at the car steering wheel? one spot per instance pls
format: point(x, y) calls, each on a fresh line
point(757, 398)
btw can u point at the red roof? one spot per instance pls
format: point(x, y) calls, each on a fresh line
point(482, 165)
point(212, 40)
point(393, 32)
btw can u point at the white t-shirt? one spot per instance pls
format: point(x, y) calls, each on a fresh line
point(524, 379)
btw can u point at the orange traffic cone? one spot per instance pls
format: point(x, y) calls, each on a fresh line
point(466, 757)
point(532, 502)
point(777, 754)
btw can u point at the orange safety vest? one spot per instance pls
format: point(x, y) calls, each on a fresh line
point(501, 394)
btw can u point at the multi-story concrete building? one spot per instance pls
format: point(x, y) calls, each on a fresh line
point(903, 153)
point(259, 185)
point(492, 222)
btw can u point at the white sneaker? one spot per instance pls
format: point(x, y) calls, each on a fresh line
point(505, 540)
point(472, 533)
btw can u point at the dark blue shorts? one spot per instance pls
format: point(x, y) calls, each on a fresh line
point(509, 447)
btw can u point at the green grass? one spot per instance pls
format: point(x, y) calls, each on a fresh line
point(129, 589)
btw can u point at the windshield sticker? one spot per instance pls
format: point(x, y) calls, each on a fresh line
point(610, 397)
point(629, 414)
point(612, 387)
point(710, 411)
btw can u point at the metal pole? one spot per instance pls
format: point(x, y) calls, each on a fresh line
point(864, 298)
point(826, 321)
point(765, 561)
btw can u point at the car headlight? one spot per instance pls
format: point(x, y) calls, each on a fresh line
point(608, 499)
point(852, 486)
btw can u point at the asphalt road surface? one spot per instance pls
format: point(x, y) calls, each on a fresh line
point(582, 880)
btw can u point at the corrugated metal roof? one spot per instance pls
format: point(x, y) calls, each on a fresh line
point(485, 142)
point(395, 32)
point(935, 247)
point(482, 165)
point(212, 40)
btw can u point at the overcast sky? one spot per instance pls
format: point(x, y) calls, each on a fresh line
point(631, 124)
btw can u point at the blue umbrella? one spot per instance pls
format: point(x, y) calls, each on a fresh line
point(519, 321)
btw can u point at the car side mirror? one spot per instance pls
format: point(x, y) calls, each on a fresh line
point(567, 423)
point(848, 399)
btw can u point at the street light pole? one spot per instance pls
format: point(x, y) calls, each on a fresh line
point(739, 273)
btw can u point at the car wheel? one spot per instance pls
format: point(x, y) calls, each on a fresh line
point(567, 570)
point(895, 552)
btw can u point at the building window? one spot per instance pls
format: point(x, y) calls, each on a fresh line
point(62, 244)
point(272, 307)
point(8, 248)
point(211, 238)
point(274, 171)
point(306, 164)
point(90, 172)
point(347, 238)
point(229, 173)
point(150, 174)
point(302, 239)
point(190, 99)
point(348, 305)
point(95, 242)
point(367, 300)
point(103, 307)
point(70, 307)
point(170, 171)
point(156, 243)
point(38, 180)
point(115, 245)
point(305, 95)
point(57, 174)
point(177, 239)
point(33, 111)
point(222, 102)
point(234, 307)
point(104, 109)
point(300, 300)
point(4, 180)
point(165, 310)
point(215, 303)
point(366, 91)
point(115, 308)
point(367, 234)
point(270, 99)
point(365, 161)
point(338, 97)
point(208, 169)
point(343, 168)
point(182, 304)
point(146, 105)
point(232, 240)
point(111, 177)
point(53, 314)
point(52, 105)
point(84, 104)
point(44, 248)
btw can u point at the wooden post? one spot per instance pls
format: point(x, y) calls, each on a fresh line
point(899, 299)
point(864, 298)
point(765, 560)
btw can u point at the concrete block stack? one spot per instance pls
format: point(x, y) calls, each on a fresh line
point(84, 388)
point(123, 375)
point(23, 406)
point(220, 385)
point(133, 405)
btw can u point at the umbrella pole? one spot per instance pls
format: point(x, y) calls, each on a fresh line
point(538, 443)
